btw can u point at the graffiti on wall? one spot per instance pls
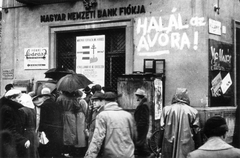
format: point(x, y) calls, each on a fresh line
point(165, 32)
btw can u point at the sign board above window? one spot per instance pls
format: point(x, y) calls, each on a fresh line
point(37, 2)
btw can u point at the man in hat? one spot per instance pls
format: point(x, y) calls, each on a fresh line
point(114, 131)
point(141, 116)
point(10, 121)
point(97, 101)
point(215, 130)
point(179, 123)
point(50, 124)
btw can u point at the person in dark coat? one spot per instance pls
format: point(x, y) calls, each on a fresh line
point(9, 120)
point(215, 130)
point(236, 134)
point(28, 122)
point(141, 117)
point(51, 124)
point(7, 145)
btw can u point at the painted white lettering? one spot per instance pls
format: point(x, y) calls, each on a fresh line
point(142, 44)
point(175, 38)
point(142, 26)
point(152, 42)
point(163, 39)
point(185, 41)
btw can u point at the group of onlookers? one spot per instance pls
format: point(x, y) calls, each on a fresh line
point(70, 125)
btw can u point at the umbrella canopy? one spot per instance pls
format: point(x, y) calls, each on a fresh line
point(72, 82)
point(57, 73)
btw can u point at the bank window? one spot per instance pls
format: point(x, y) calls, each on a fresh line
point(221, 73)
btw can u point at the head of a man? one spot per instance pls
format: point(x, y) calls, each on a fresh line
point(140, 94)
point(97, 100)
point(9, 87)
point(13, 94)
point(215, 126)
point(110, 97)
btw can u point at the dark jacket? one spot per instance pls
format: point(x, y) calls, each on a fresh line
point(52, 124)
point(236, 134)
point(9, 117)
point(141, 117)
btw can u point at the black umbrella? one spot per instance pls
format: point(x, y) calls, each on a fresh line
point(57, 73)
point(73, 82)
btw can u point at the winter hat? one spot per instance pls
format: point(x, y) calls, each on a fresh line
point(215, 126)
point(140, 92)
point(12, 92)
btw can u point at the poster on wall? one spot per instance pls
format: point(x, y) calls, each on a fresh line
point(158, 98)
point(36, 58)
point(220, 55)
point(221, 73)
point(91, 57)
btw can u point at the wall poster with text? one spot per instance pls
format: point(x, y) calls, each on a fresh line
point(91, 57)
point(221, 73)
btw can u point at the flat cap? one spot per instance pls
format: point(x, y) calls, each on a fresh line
point(97, 95)
point(110, 96)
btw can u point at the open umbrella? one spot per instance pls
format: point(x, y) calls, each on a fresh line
point(57, 73)
point(72, 82)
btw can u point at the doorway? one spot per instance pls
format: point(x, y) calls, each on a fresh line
point(115, 54)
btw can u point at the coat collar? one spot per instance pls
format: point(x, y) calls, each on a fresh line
point(215, 143)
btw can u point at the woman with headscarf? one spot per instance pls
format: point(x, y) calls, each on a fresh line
point(28, 122)
point(178, 123)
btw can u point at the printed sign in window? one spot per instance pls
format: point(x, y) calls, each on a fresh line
point(91, 57)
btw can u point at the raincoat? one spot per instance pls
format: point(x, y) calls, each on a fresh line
point(73, 120)
point(69, 119)
point(179, 121)
point(114, 132)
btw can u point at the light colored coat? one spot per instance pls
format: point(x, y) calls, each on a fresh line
point(114, 133)
point(179, 121)
point(215, 147)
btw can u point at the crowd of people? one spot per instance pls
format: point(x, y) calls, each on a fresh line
point(66, 124)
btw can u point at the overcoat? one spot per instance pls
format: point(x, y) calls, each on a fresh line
point(141, 116)
point(114, 132)
point(69, 119)
point(28, 120)
point(215, 147)
point(52, 125)
point(9, 120)
point(178, 121)
point(236, 134)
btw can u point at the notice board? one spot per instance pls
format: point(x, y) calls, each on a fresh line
point(221, 73)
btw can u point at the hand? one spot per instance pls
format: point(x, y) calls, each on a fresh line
point(27, 144)
point(86, 132)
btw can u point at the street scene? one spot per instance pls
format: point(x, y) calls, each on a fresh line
point(119, 79)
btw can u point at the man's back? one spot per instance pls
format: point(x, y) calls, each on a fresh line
point(114, 132)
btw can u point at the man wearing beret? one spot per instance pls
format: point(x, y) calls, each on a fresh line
point(215, 130)
point(114, 131)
